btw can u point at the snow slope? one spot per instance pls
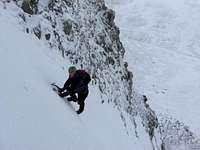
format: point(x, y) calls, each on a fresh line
point(162, 42)
point(32, 116)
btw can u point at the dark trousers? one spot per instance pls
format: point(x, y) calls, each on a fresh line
point(81, 99)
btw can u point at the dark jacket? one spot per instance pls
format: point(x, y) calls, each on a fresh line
point(75, 84)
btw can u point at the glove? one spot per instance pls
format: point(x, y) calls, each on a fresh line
point(60, 90)
point(63, 94)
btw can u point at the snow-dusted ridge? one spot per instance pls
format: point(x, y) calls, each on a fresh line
point(90, 40)
point(105, 130)
point(85, 33)
point(32, 116)
point(161, 38)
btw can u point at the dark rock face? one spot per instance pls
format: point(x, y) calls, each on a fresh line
point(67, 26)
point(47, 36)
point(37, 31)
point(109, 16)
point(30, 6)
point(27, 8)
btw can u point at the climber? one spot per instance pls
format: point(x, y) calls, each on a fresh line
point(76, 86)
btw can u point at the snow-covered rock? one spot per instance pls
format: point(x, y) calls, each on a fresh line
point(85, 33)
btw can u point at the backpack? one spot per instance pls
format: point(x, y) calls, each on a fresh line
point(84, 76)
